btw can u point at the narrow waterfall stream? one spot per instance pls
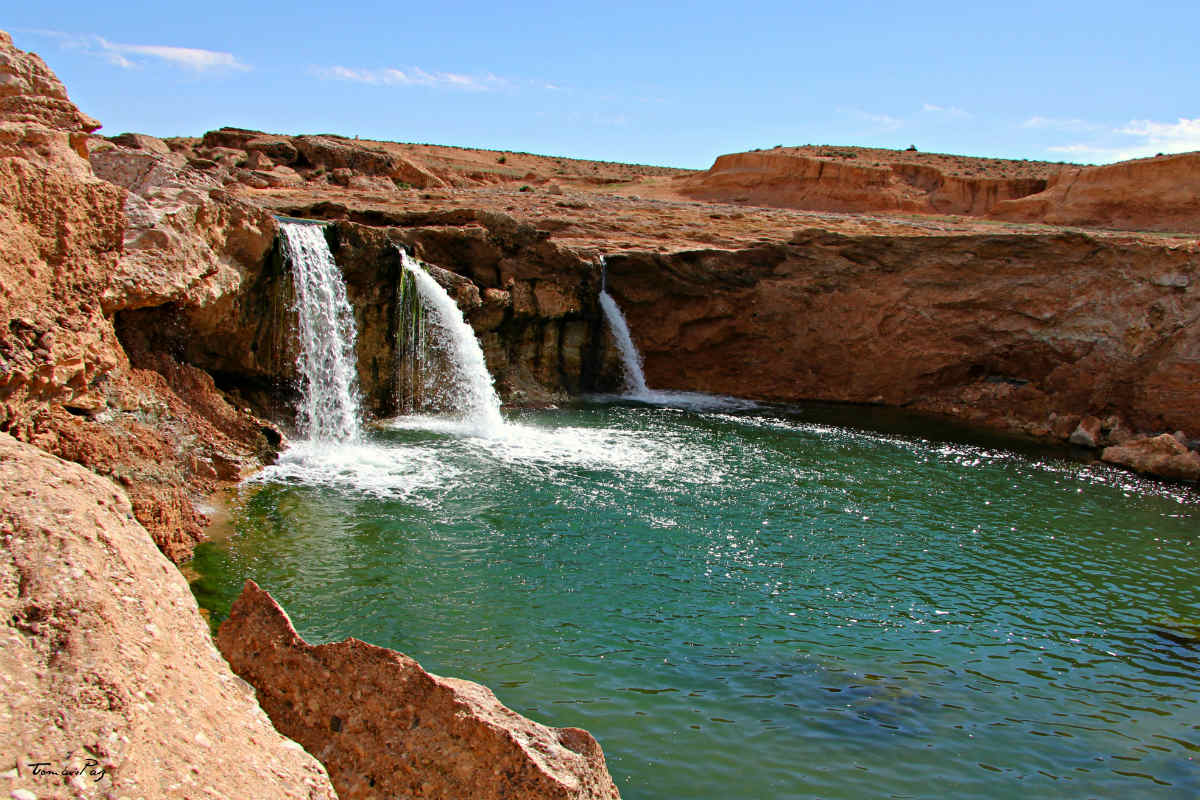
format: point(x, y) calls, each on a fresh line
point(329, 408)
point(631, 360)
point(635, 379)
point(442, 368)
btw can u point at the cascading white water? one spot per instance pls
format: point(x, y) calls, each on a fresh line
point(326, 364)
point(631, 360)
point(464, 386)
point(631, 363)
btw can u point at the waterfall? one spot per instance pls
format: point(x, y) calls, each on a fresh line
point(442, 368)
point(329, 404)
point(631, 360)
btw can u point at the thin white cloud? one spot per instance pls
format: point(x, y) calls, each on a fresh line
point(882, 122)
point(952, 111)
point(413, 76)
point(1148, 138)
point(187, 57)
point(134, 56)
point(1059, 123)
point(1168, 137)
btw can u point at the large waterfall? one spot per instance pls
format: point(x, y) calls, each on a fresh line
point(442, 368)
point(326, 365)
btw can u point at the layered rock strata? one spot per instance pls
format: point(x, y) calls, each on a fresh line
point(1148, 194)
point(384, 727)
point(1030, 333)
point(793, 179)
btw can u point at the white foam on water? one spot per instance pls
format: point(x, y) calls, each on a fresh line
point(631, 452)
point(369, 468)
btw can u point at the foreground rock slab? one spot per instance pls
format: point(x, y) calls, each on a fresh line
point(109, 679)
point(384, 727)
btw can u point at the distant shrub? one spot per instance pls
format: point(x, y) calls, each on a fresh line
point(502, 160)
point(525, 188)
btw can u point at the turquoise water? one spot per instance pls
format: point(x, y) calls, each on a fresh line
point(760, 604)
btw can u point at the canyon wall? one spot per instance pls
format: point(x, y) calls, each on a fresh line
point(1026, 332)
point(111, 683)
point(1148, 194)
point(792, 180)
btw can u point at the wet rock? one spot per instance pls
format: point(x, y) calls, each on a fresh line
point(384, 727)
point(1162, 455)
point(1087, 433)
point(106, 663)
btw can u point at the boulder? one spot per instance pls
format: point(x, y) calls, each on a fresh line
point(187, 241)
point(1163, 455)
point(140, 141)
point(106, 666)
point(384, 727)
point(334, 153)
point(277, 148)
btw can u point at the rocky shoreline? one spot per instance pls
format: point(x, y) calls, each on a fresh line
point(145, 362)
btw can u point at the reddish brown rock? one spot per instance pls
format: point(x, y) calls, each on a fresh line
point(140, 141)
point(105, 662)
point(813, 178)
point(74, 251)
point(384, 727)
point(1147, 194)
point(1162, 455)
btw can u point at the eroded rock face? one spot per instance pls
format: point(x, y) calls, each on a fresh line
point(76, 249)
point(106, 664)
point(1148, 194)
point(187, 241)
point(384, 727)
point(38, 122)
point(1162, 455)
point(791, 179)
point(1000, 330)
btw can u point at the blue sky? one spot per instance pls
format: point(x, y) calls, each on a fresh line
point(673, 84)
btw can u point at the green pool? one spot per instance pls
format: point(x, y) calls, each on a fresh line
point(760, 603)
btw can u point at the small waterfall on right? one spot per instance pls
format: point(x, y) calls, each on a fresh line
point(631, 363)
point(631, 360)
point(441, 365)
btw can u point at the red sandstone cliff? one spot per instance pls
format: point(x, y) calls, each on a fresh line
point(1024, 332)
point(1150, 194)
point(796, 179)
